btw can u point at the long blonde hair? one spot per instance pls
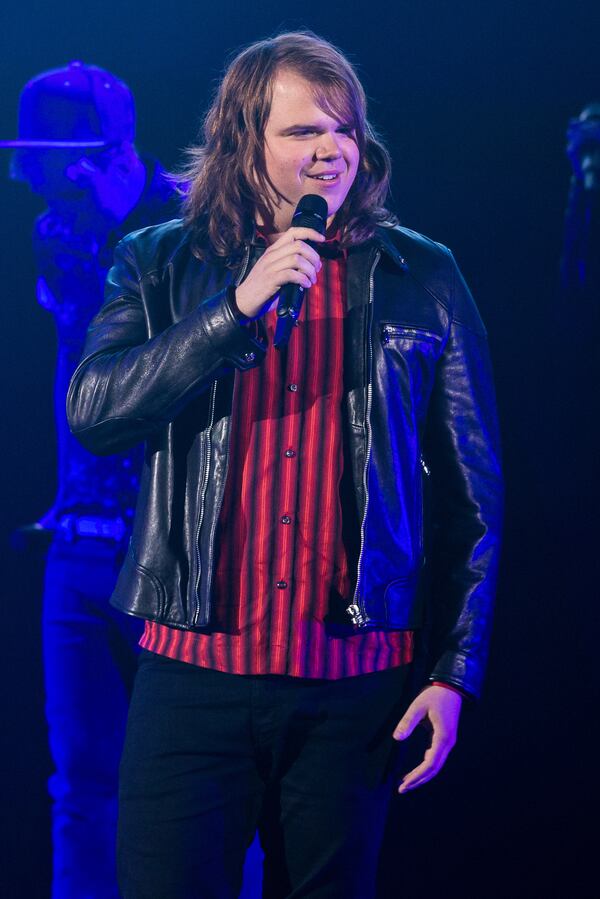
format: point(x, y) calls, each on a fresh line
point(225, 182)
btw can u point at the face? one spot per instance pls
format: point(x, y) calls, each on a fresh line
point(306, 151)
point(60, 174)
point(45, 171)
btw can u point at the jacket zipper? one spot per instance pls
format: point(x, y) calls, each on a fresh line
point(425, 473)
point(412, 332)
point(205, 440)
point(206, 475)
point(356, 609)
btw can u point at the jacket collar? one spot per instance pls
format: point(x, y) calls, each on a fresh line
point(361, 262)
point(383, 239)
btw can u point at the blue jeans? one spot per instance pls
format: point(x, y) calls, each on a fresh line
point(90, 657)
point(210, 757)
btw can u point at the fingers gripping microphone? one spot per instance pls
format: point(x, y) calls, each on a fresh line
point(311, 212)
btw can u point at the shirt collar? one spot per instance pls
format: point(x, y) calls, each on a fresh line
point(329, 249)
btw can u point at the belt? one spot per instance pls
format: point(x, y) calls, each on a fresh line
point(74, 526)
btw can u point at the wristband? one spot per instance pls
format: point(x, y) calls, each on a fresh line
point(439, 683)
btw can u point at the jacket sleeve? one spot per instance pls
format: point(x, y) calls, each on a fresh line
point(463, 449)
point(129, 385)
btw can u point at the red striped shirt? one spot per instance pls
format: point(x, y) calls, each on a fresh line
point(279, 537)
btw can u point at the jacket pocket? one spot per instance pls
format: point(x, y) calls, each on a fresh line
point(145, 573)
point(391, 331)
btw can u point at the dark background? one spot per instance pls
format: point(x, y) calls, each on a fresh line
point(473, 99)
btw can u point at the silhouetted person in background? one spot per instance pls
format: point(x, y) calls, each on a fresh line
point(572, 420)
point(76, 150)
point(580, 265)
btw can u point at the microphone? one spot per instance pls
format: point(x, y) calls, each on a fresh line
point(311, 212)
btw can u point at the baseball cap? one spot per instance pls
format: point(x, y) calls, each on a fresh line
point(76, 106)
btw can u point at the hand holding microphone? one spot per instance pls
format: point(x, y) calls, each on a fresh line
point(286, 269)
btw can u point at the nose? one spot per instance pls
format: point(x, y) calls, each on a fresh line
point(328, 146)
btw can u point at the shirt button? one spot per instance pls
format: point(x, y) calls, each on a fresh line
point(249, 357)
point(282, 585)
point(285, 519)
point(290, 453)
point(292, 388)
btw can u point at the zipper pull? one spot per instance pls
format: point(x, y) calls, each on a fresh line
point(356, 616)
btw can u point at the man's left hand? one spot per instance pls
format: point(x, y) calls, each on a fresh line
point(439, 709)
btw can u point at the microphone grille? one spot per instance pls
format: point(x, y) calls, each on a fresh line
point(311, 212)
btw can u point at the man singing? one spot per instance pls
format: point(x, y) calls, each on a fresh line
point(305, 511)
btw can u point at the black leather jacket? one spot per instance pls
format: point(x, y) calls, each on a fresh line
point(419, 410)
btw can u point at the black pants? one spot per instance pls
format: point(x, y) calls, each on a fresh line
point(209, 757)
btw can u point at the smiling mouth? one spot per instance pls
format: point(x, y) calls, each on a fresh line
point(326, 176)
